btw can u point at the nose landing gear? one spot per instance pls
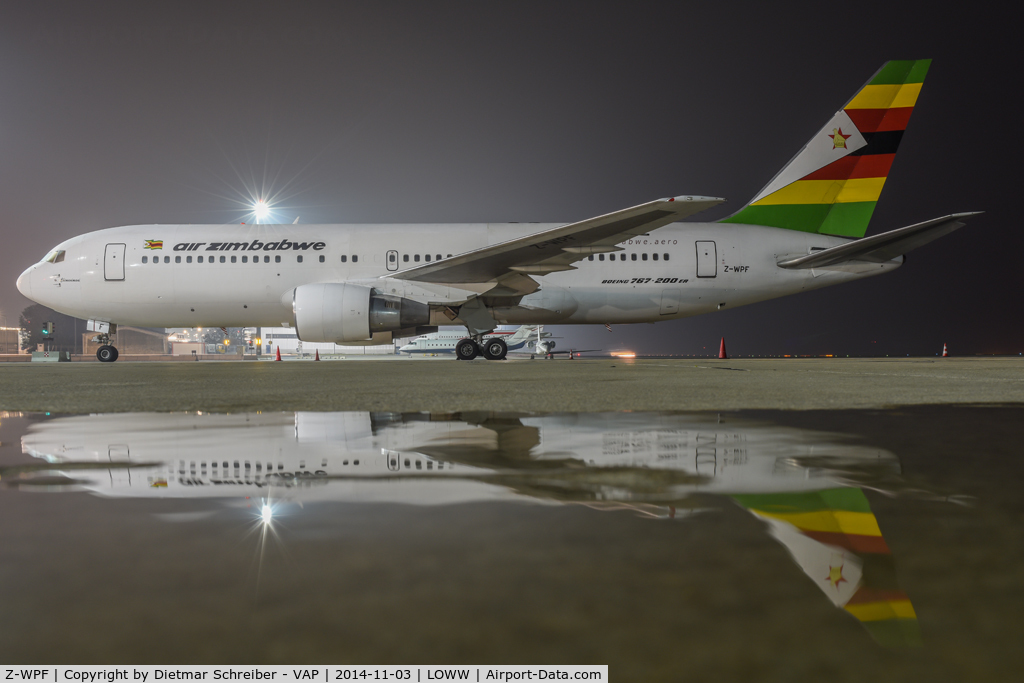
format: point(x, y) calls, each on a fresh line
point(107, 352)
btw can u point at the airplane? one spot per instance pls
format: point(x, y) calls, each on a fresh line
point(368, 284)
point(446, 341)
point(803, 485)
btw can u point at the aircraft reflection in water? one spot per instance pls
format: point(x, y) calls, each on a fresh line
point(802, 484)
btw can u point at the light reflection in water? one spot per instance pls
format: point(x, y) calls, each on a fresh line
point(805, 486)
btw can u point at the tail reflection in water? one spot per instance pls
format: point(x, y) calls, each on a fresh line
point(804, 485)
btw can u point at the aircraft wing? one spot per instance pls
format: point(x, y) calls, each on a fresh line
point(554, 250)
point(881, 248)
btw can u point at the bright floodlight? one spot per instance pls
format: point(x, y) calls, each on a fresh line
point(266, 514)
point(261, 209)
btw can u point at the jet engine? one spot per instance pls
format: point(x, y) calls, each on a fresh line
point(340, 312)
point(545, 346)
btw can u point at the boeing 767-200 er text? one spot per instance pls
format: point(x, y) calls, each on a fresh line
point(369, 283)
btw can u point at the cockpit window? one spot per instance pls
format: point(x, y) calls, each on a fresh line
point(55, 256)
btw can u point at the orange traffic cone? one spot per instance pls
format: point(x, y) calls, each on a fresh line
point(721, 350)
point(278, 353)
point(317, 355)
point(945, 353)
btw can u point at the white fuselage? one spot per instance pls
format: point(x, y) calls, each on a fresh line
point(249, 272)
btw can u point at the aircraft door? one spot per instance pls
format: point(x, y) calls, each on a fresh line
point(119, 453)
point(393, 459)
point(392, 260)
point(707, 259)
point(670, 301)
point(113, 262)
point(706, 461)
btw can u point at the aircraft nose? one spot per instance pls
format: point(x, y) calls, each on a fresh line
point(25, 283)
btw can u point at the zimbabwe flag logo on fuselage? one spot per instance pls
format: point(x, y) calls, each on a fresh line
point(154, 244)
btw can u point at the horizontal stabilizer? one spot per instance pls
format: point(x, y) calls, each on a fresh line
point(884, 247)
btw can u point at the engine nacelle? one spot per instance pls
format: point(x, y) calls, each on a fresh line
point(339, 312)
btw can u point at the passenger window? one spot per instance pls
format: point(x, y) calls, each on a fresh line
point(438, 257)
point(266, 259)
point(354, 258)
point(299, 258)
point(167, 259)
point(426, 258)
point(622, 257)
point(223, 259)
point(633, 256)
point(355, 462)
point(643, 257)
point(449, 255)
point(590, 258)
point(277, 258)
point(654, 256)
point(322, 259)
point(666, 257)
point(245, 259)
point(188, 259)
point(145, 259)
point(416, 258)
point(345, 258)
point(177, 259)
point(405, 257)
point(234, 259)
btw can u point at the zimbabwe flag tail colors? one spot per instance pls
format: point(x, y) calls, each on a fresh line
point(832, 185)
point(834, 537)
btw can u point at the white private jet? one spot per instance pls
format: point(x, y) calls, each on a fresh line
point(365, 284)
point(445, 341)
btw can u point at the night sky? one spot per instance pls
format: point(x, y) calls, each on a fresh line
point(118, 114)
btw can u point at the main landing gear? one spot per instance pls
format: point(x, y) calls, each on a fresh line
point(491, 349)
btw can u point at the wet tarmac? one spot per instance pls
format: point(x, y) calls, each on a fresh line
point(448, 385)
point(768, 545)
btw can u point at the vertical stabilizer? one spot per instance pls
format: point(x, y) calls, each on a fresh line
point(832, 185)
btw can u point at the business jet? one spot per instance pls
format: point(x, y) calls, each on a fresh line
point(799, 483)
point(366, 284)
point(445, 341)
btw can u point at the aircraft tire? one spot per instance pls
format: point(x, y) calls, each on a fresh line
point(495, 349)
point(467, 349)
point(106, 354)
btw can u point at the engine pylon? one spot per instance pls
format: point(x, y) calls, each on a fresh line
point(721, 350)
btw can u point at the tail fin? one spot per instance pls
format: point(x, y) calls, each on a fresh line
point(832, 185)
point(524, 333)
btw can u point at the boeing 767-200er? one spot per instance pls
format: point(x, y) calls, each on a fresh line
point(367, 284)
